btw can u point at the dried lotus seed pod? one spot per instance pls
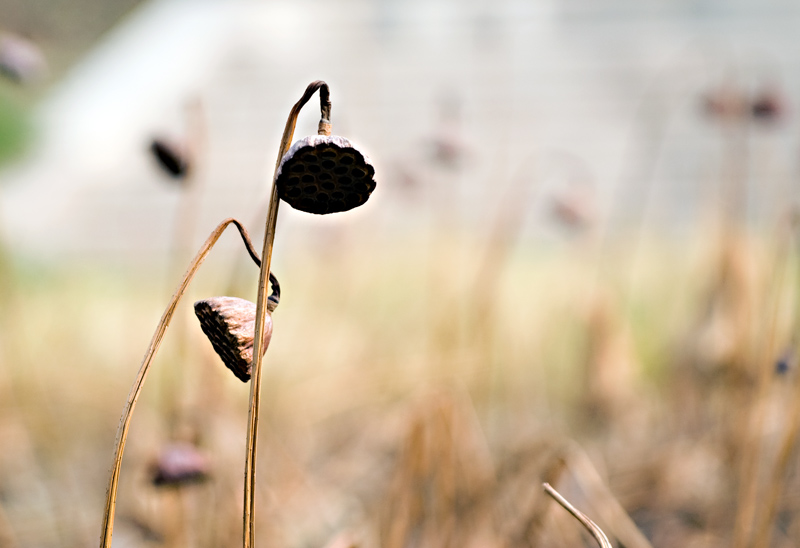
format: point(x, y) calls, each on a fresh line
point(229, 323)
point(325, 174)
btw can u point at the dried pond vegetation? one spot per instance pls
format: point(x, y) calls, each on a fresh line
point(427, 401)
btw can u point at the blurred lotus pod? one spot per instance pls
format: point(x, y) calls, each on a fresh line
point(171, 157)
point(179, 464)
point(20, 59)
point(229, 323)
point(731, 104)
point(768, 105)
point(324, 174)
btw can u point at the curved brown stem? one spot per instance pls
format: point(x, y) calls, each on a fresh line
point(248, 532)
point(136, 389)
point(590, 526)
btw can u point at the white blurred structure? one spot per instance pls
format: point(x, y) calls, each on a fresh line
point(616, 86)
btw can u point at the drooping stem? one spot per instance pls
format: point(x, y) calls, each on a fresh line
point(155, 343)
point(609, 508)
point(590, 526)
point(248, 532)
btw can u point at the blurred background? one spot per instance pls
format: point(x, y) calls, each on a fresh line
point(579, 266)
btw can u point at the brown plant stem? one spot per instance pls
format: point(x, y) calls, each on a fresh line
point(775, 485)
point(186, 215)
point(609, 508)
point(248, 532)
point(763, 534)
point(748, 473)
point(136, 389)
point(590, 526)
point(7, 536)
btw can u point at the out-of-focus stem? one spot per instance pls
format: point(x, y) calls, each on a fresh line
point(748, 497)
point(768, 502)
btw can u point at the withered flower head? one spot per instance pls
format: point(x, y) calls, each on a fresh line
point(179, 464)
point(229, 323)
point(171, 158)
point(325, 174)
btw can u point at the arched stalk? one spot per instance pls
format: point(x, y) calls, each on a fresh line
point(155, 343)
point(594, 530)
point(248, 532)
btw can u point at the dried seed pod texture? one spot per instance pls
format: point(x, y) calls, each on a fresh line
point(229, 323)
point(325, 174)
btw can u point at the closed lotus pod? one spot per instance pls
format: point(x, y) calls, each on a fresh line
point(325, 174)
point(229, 323)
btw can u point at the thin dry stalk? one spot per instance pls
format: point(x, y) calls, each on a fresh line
point(590, 526)
point(748, 472)
point(248, 533)
point(436, 490)
point(612, 511)
point(609, 364)
point(527, 528)
point(763, 534)
point(7, 537)
point(503, 235)
point(774, 489)
point(155, 343)
point(187, 209)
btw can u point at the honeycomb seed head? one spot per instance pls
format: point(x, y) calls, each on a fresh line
point(229, 323)
point(325, 174)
